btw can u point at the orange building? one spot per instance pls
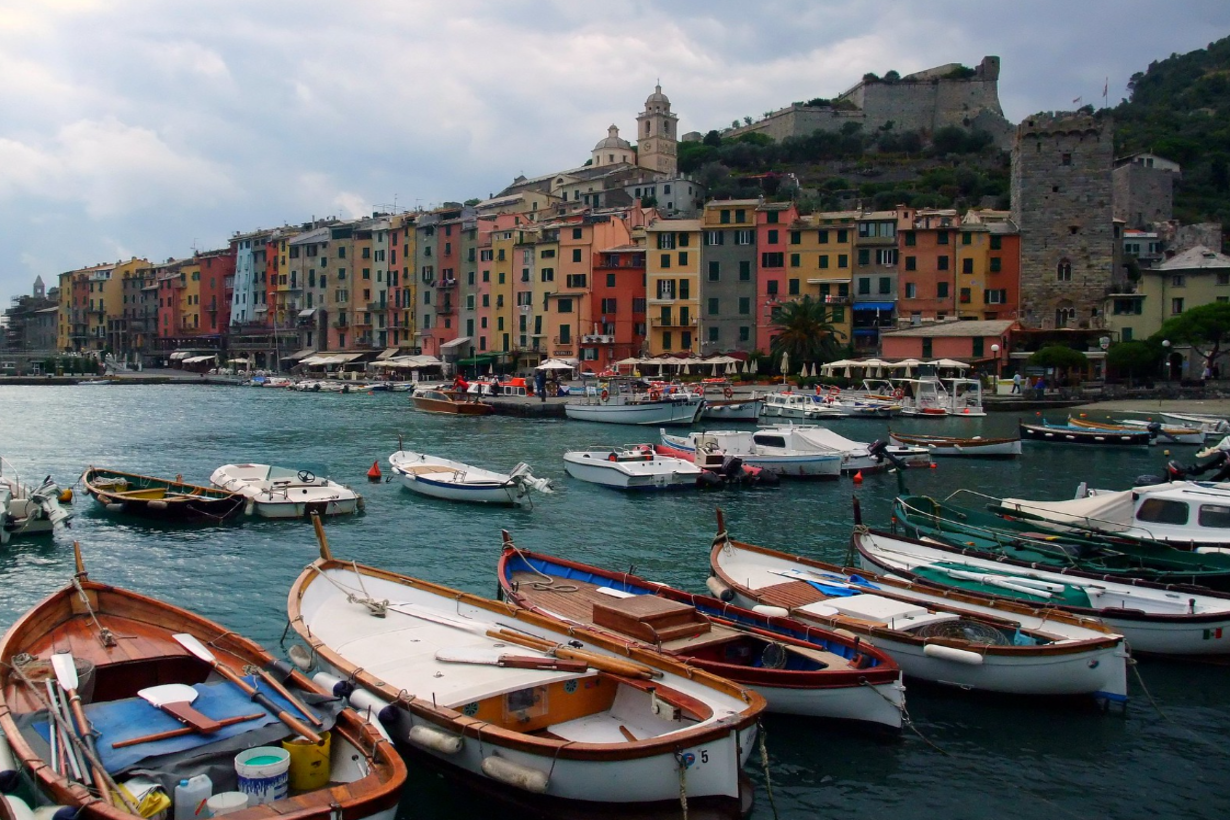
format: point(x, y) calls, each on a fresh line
point(928, 286)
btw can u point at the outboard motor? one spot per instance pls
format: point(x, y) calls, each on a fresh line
point(879, 450)
point(732, 468)
point(1154, 428)
point(709, 480)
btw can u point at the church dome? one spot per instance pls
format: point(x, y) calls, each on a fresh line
point(612, 141)
point(657, 97)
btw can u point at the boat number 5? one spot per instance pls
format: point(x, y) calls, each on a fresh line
point(688, 759)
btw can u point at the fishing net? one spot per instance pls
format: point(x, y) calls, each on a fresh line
point(971, 631)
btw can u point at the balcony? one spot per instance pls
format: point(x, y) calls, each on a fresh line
point(444, 284)
point(445, 309)
point(662, 300)
point(682, 322)
point(341, 322)
point(597, 339)
point(377, 307)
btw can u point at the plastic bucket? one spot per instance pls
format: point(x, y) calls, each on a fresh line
point(310, 765)
point(226, 802)
point(263, 773)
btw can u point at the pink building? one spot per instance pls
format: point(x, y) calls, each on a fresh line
point(969, 341)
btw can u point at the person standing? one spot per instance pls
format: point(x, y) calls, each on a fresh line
point(1016, 383)
point(540, 384)
point(1040, 386)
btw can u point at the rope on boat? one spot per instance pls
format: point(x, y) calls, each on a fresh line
point(379, 609)
point(764, 763)
point(683, 783)
point(105, 636)
point(549, 583)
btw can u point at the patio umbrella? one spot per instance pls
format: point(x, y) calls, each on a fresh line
point(554, 364)
point(785, 365)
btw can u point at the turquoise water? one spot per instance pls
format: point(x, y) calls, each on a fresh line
point(977, 757)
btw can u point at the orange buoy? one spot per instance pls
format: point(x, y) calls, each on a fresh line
point(934, 465)
point(858, 477)
point(374, 473)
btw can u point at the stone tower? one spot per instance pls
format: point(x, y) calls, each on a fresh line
point(657, 134)
point(1062, 202)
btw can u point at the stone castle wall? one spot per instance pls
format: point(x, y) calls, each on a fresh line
point(1143, 195)
point(1062, 203)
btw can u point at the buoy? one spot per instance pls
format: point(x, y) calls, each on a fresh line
point(934, 465)
point(858, 477)
point(373, 474)
point(66, 496)
point(157, 504)
point(435, 740)
point(948, 653)
point(771, 611)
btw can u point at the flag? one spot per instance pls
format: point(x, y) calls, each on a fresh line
point(1077, 101)
point(1212, 633)
point(1106, 87)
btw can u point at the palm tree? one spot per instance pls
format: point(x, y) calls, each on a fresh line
point(806, 333)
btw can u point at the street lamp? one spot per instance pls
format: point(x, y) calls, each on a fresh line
point(995, 353)
point(1166, 359)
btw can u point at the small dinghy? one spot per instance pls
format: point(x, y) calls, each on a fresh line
point(631, 467)
point(799, 669)
point(282, 492)
point(454, 481)
point(161, 499)
point(28, 510)
point(565, 719)
point(976, 447)
point(958, 640)
point(100, 686)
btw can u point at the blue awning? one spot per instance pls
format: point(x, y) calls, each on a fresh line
point(866, 331)
point(875, 305)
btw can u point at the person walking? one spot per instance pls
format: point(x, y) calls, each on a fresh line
point(1016, 383)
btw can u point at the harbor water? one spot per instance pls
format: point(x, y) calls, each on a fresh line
point(1165, 755)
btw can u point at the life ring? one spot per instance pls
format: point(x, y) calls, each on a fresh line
point(898, 393)
point(654, 395)
point(834, 391)
point(700, 391)
point(728, 392)
point(612, 457)
point(605, 395)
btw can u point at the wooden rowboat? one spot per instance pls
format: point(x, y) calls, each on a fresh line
point(161, 499)
point(118, 643)
point(976, 447)
point(511, 701)
point(799, 670)
point(1065, 434)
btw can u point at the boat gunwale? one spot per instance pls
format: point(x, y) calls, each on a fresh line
point(483, 731)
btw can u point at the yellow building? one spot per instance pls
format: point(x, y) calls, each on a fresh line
point(672, 273)
point(1198, 276)
point(819, 245)
point(92, 304)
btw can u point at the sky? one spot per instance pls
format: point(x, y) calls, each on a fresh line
point(150, 128)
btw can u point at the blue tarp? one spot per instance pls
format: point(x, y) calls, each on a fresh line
point(875, 305)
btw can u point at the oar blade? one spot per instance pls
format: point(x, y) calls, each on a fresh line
point(65, 666)
point(193, 645)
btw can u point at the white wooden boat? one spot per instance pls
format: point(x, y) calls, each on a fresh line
point(631, 467)
point(563, 717)
point(454, 481)
point(1155, 618)
point(282, 492)
point(802, 406)
point(975, 447)
point(26, 509)
point(799, 670)
point(732, 409)
point(955, 639)
point(1184, 514)
point(785, 456)
point(856, 456)
point(624, 406)
point(1212, 426)
point(1164, 433)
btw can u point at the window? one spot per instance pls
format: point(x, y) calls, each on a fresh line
point(548, 274)
point(864, 257)
point(713, 333)
point(911, 238)
point(740, 215)
point(843, 260)
point(1162, 511)
point(683, 258)
point(1063, 271)
point(824, 261)
point(1176, 306)
point(576, 233)
point(714, 237)
point(843, 236)
point(610, 280)
point(995, 296)
point(772, 260)
point(666, 241)
point(638, 305)
point(997, 242)
point(771, 217)
point(966, 238)
point(1065, 158)
point(941, 238)
point(745, 333)
point(822, 237)
point(796, 237)
point(771, 287)
point(967, 265)
point(548, 253)
point(667, 339)
point(886, 285)
point(685, 340)
point(745, 271)
point(1125, 334)
point(564, 306)
point(794, 260)
point(744, 237)
point(979, 346)
point(1178, 280)
point(666, 288)
point(1065, 316)
point(565, 334)
point(793, 287)
point(886, 257)
point(745, 305)
point(941, 263)
point(941, 290)
point(996, 264)
point(715, 269)
point(1223, 278)
point(724, 217)
point(576, 280)
point(864, 286)
point(714, 305)
point(926, 349)
point(773, 237)
point(911, 290)
point(1126, 307)
point(1214, 515)
point(576, 254)
point(966, 295)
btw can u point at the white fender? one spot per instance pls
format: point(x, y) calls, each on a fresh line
point(514, 774)
point(20, 810)
point(115, 507)
point(8, 767)
point(375, 710)
point(157, 504)
point(719, 590)
point(431, 738)
point(334, 685)
point(771, 611)
point(948, 653)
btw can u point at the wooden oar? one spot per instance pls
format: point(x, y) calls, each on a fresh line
point(180, 732)
point(65, 667)
point(286, 693)
point(176, 700)
point(199, 649)
point(497, 658)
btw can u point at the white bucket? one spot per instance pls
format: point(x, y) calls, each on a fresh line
point(226, 802)
point(263, 773)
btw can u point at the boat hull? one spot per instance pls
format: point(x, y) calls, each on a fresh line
point(454, 481)
point(951, 446)
point(162, 500)
point(732, 409)
point(285, 495)
point(664, 412)
point(1089, 438)
point(585, 467)
point(451, 408)
point(822, 466)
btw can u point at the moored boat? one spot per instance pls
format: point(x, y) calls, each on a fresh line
point(431, 400)
point(25, 509)
point(563, 717)
point(1066, 434)
point(99, 686)
point(856, 456)
point(1156, 619)
point(960, 640)
point(621, 401)
point(284, 492)
point(768, 451)
point(798, 669)
point(1212, 426)
point(631, 467)
point(1167, 433)
point(161, 499)
point(802, 406)
point(1157, 433)
point(454, 481)
point(975, 447)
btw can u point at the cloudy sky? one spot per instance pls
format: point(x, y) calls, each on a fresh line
point(149, 128)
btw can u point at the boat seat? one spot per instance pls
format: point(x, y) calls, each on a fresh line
point(650, 618)
point(425, 469)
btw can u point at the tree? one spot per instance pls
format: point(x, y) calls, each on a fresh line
point(1206, 328)
point(807, 334)
point(1063, 359)
point(714, 139)
point(1134, 358)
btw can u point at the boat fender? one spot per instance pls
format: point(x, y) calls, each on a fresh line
point(157, 504)
point(719, 589)
point(300, 657)
point(771, 611)
point(700, 391)
point(334, 685)
point(948, 653)
point(9, 777)
point(249, 507)
point(19, 807)
point(514, 774)
point(435, 740)
point(727, 392)
point(115, 507)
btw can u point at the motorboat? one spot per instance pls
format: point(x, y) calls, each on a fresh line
point(1212, 426)
point(103, 688)
point(784, 454)
point(1191, 515)
point(454, 481)
point(1155, 619)
point(1067, 434)
point(1157, 432)
point(799, 670)
point(284, 492)
point(564, 718)
point(731, 407)
point(923, 397)
point(789, 404)
point(621, 401)
point(856, 456)
point(719, 468)
point(433, 400)
point(161, 499)
point(965, 641)
point(973, 447)
point(964, 397)
point(631, 467)
point(1016, 541)
point(26, 509)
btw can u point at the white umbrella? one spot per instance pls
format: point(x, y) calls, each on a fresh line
point(554, 364)
point(785, 365)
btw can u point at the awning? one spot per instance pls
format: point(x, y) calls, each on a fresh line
point(301, 354)
point(875, 305)
point(455, 343)
point(179, 355)
point(325, 359)
point(389, 352)
point(199, 359)
point(866, 331)
point(481, 358)
point(303, 314)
